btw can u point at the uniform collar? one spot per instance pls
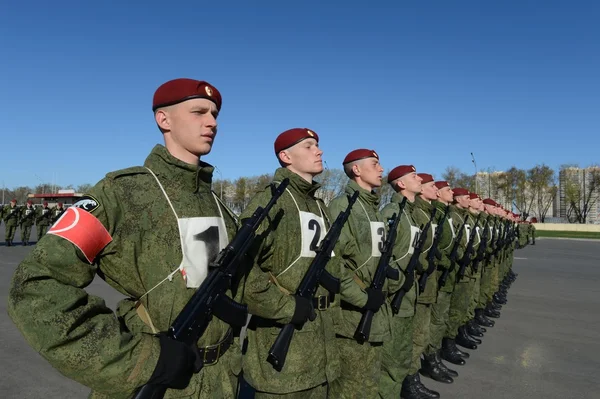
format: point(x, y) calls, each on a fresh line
point(369, 197)
point(297, 182)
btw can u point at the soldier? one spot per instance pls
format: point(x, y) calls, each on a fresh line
point(42, 220)
point(422, 215)
point(57, 212)
point(11, 217)
point(281, 258)
point(463, 290)
point(397, 352)
point(150, 233)
point(26, 221)
point(433, 366)
point(359, 248)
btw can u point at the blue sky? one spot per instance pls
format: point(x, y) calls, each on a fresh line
point(426, 83)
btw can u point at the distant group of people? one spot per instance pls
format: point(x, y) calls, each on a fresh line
point(25, 217)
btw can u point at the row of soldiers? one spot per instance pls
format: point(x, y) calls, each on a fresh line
point(350, 299)
point(25, 217)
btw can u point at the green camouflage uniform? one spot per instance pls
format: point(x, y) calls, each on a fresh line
point(422, 319)
point(11, 219)
point(461, 294)
point(397, 352)
point(359, 248)
point(281, 257)
point(75, 331)
point(42, 221)
point(489, 273)
point(440, 310)
point(27, 220)
point(56, 213)
point(474, 276)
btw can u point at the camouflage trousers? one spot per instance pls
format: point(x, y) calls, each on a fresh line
point(440, 315)
point(361, 370)
point(422, 320)
point(459, 305)
point(475, 290)
point(319, 392)
point(10, 232)
point(396, 358)
point(216, 381)
point(485, 293)
point(41, 230)
point(25, 233)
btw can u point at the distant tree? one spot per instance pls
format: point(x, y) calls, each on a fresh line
point(541, 180)
point(582, 188)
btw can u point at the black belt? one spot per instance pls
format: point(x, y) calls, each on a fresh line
point(210, 354)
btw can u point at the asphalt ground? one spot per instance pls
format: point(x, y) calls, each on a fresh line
point(546, 344)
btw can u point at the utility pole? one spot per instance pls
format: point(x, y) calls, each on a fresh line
point(475, 164)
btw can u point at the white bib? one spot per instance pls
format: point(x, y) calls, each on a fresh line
point(312, 230)
point(377, 238)
point(202, 238)
point(415, 233)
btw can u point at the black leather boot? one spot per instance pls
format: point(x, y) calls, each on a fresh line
point(428, 393)
point(450, 353)
point(495, 306)
point(474, 329)
point(500, 297)
point(443, 367)
point(482, 320)
point(410, 388)
point(464, 339)
point(463, 354)
point(430, 368)
point(472, 338)
point(489, 312)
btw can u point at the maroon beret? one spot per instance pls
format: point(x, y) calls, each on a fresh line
point(473, 196)
point(293, 136)
point(460, 191)
point(400, 171)
point(180, 90)
point(14, 200)
point(489, 201)
point(29, 202)
point(441, 184)
point(426, 177)
point(359, 154)
point(45, 202)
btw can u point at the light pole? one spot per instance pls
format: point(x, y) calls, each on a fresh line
point(475, 164)
point(221, 177)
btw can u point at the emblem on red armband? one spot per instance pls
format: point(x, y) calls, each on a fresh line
point(83, 230)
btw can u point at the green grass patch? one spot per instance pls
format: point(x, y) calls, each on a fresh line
point(567, 234)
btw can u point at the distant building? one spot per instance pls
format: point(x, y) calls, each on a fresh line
point(579, 180)
point(67, 197)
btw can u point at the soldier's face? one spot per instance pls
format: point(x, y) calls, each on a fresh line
point(462, 200)
point(446, 194)
point(370, 171)
point(305, 157)
point(190, 125)
point(412, 183)
point(429, 191)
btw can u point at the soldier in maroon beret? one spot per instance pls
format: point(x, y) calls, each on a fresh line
point(359, 249)
point(186, 112)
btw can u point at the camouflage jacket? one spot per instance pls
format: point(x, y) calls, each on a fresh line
point(445, 246)
point(404, 248)
point(27, 216)
point(422, 214)
point(11, 215)
point(43, 215)
point(75, 331)
point(280, 258)
point(359, 248)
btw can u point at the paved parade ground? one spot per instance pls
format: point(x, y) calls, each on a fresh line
point(545, 345)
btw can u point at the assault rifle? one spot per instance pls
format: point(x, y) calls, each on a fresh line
point(383, 270)
point(434, 251)
point(315, 275)
point(466, 259)
point(453, 256)
point(410, 269)
point(482, 246)
point(210, 298)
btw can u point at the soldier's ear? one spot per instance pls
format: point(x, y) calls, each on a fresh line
point(161, 116)
point(284, 158)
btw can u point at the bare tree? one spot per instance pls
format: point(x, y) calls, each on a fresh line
point(333, 182)
point(581, 191)
point(456, 178)
point(84, 188)
point(542, 185)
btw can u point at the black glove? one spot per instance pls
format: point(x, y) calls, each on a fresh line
point(304, 311)
point(177, 363)
point(375, 299)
